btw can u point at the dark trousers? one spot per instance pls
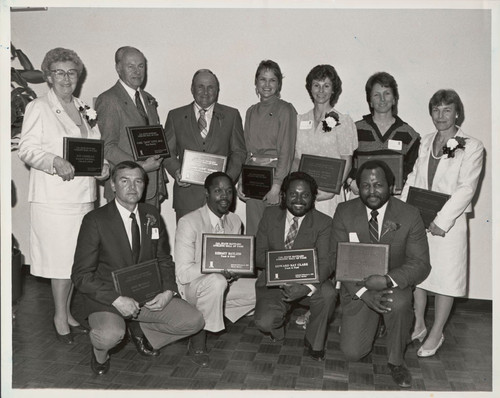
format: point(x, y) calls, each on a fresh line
point(360, 324)
point(271, 312)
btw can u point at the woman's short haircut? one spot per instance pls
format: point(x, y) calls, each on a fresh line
point(385, 80)
point(60, 54)
point(267, 64)
point(320, 73)
point(376, 164)
point(129, 165)
point(448, 97)
point(298, 176)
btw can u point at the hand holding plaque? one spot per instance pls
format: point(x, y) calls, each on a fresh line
point(147, 141)
point(197, 166)
point(288, 266)
point(85, 155)
point(233, 254)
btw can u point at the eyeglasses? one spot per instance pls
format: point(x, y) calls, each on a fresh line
point(60, 74)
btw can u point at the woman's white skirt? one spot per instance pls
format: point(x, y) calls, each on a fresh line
point(53, 235)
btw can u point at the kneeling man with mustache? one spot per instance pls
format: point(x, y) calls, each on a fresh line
point(214, 295)
point(295, 224)
point(376, 217)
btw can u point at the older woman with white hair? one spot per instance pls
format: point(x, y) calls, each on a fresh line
point(58, 199)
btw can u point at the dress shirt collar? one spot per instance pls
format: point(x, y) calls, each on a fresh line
point(131, 92)
point(127, 221)
point(208, 112)
point(214, 219)
point(289, 221)
point(380, 217)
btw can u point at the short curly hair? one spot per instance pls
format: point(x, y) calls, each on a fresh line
point(60, 54)
point(298, 176)
point(320, 73)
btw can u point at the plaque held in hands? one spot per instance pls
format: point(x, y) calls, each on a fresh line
point(234, 253)
point(85, 155)
point(147, 141)
point(327, 172)
point(142, 281)
point(357, 261)
point(197, 166)
point(288, 266)
point(428, 202)
point(256, 181)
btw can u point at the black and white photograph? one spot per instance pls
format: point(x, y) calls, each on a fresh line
point(259, 84)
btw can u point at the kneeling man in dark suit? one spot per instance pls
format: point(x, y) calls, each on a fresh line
point(119, 234)
point(376, 217)
point(296, 225)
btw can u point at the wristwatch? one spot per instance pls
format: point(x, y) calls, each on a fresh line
point(389, 281)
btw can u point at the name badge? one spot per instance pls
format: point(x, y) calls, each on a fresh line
point(395, 145)
point(306, 124)
point(353, 237)
point(154, 233)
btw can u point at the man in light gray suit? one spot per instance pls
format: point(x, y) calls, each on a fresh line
point(124, 105)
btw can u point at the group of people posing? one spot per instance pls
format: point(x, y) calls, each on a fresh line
point(76, 246)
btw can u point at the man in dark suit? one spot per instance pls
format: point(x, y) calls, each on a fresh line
point(376, 217)
point(124, 105)
point(296, 225)
point(202, 126)
point(110, 239)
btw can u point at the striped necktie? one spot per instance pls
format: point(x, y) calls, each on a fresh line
point(373, 227)
point(292, 233)
point(202, 123)
point(140, 107)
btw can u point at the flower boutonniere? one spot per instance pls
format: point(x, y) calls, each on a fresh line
point(151, 222)
point(330, 121)
point(389, 226)
point(90, 115)
point(152, 101)
point(452, 145)
point(219, 117)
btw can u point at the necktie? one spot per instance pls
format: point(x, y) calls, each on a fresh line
point(136, 239)
point(219, 227)
point(140, 107)
point(202, 123)
point(292, 233)
point(373, 227)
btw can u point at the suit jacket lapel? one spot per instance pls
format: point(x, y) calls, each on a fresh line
point(128, 103)
point(215, 123)
point(192, 125)
point(360, 222)
point(445, 162)
point(62, 116)
point(304, 230)
point(389, 224)
point(279, 230)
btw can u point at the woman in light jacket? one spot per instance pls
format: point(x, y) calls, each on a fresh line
point(58, 199)
point(450, 162)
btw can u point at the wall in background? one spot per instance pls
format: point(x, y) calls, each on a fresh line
point(425, 50)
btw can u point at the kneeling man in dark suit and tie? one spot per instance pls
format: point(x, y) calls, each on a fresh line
point(376, 217)
point(119, 234)
point(295, 224)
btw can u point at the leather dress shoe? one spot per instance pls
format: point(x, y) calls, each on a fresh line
point(198, 355)
point(64, 338)
point(78, 329)
point(317, 355)
point(400, 374)
point(98, 368)
point(143, 345)
point(429, 353)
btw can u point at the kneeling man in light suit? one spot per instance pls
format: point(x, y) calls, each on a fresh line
point(215, 295)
